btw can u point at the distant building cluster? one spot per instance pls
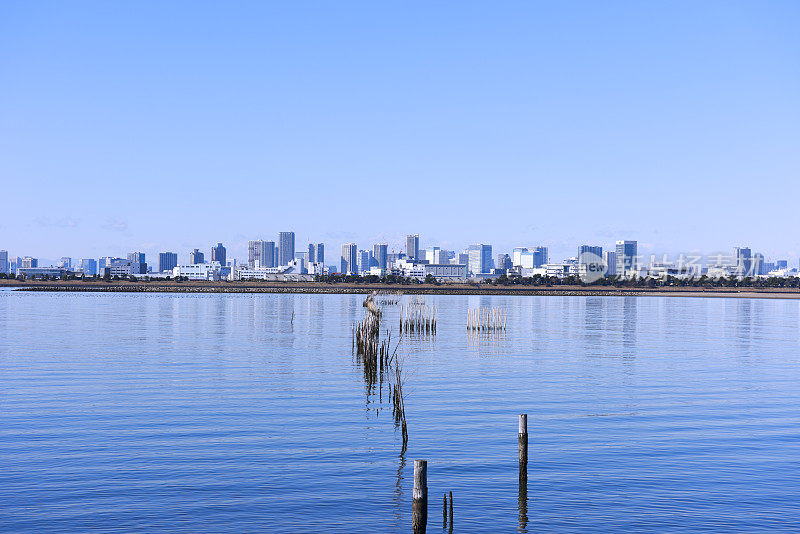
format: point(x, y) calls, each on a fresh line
point(280, 260)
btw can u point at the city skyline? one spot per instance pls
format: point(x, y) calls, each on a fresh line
point(478, 259)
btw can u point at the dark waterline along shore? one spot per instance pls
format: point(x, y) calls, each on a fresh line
point(411, 289)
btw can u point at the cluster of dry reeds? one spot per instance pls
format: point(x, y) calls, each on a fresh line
point(398, 406)
point(379, 364)
point(486, 319)
point(418, 318)
point(366, 338)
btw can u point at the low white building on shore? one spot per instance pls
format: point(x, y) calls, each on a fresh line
point(199, 271)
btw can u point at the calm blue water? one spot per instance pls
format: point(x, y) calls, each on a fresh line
point(248, 413)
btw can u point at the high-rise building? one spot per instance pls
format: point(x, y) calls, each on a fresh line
point(316, 253)
point(285, 248)
point(138, 263)
point(65, 263)
point(431, 253)
point(516, 256)
point(540, 256)
point(167, 261)
point(88, 266)
point(504, 262)
point(196, 257)
point(610, 259)
point(435, 255)
point(480, 258)
point(529, 258)
point(364, 258)
point(380, 254)
point(588, 254)
point(27, 263)
point(744, 261)
point(138, 257)
point(757, 266)
point(627, 257)
point(349, 263)
point(412, 247)
point(260, 254)
point(5, 268)
point(218, 254)
point(597, 251)
point(782, 264)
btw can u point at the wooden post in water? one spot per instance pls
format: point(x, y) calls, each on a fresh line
point(451, 511)
point(444, 510)
point(522, 498)
point(419, 505)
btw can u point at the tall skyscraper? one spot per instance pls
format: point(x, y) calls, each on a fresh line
point(316, 253)
point(167, 261)
point(271, 254)
point(412, 247)
point(349, 263)
point(260, 254)
point(27, 263)
point(138, 263)
point(285, 248)
point(65, 263)
point(744, 261)
point(363, 261)
point(380, 254)
point(627, 257)
point(5, 268)
point(196, 257)
point(218, 253)
point(540, 256)
point(610, 259)
point(480, 258)
point(757, 266)
point(88, 266)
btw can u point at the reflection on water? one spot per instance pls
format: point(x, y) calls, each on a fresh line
point(231, 413)
point(629, 326)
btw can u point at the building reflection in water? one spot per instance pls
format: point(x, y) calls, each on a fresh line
point(629, 326)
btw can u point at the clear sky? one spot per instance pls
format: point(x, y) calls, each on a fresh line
point(173, 125)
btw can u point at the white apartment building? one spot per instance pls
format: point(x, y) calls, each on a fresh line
point(199, 271)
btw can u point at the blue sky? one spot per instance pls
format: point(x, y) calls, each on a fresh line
point(173, 125)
